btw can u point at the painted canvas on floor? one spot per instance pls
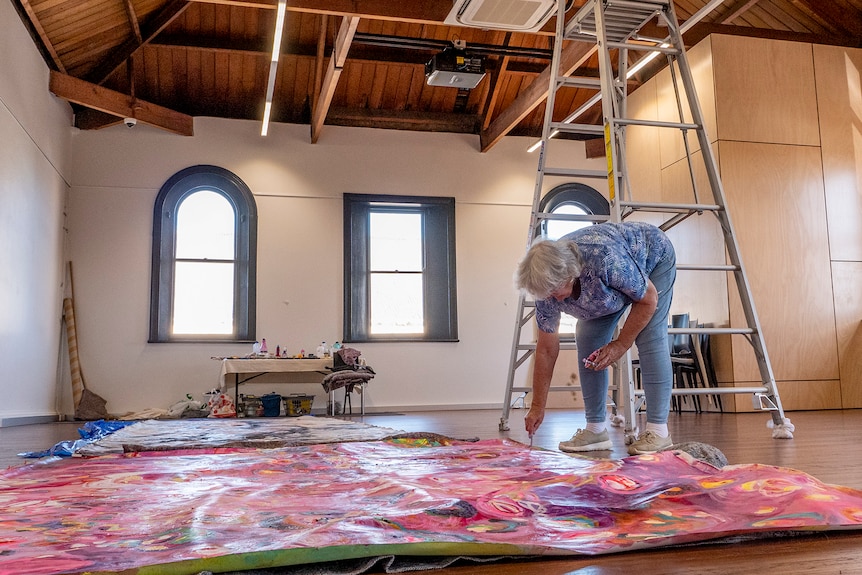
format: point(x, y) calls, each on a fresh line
point(265, 432)
point(228, 509)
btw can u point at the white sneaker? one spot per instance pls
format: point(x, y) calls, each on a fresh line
point(584, 440)
point(649, 442)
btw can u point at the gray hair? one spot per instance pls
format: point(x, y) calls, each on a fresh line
point(548, 265)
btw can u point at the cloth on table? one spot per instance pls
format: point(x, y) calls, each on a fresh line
point(347, 378)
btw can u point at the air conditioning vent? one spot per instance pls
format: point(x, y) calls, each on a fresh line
point(514, 15)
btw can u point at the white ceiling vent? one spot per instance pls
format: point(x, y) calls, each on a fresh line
point(514, 15)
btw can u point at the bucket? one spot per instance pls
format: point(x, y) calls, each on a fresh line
point(297, 404)
point(271, 404)
point(252, 406)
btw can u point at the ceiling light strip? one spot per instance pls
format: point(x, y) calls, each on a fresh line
point(273, 65)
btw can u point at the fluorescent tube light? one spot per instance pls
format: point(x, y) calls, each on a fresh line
point(273, 66)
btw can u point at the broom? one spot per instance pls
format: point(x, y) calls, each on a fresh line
point(88, 405)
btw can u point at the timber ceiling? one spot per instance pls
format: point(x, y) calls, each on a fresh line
point(166, 61)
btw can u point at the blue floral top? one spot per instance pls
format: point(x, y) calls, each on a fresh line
point(618, 259)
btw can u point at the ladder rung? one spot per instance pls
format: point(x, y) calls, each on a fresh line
point(622, 19)
point(656, 123)
point(679, 208)
point(572, 217)
point(532, 346)
point(575, 173)
point(552, 388)
point(711, 330)
point(579, 82)
point(711, 390)
point(643, 47)
point(569, 128)
point(708, 267)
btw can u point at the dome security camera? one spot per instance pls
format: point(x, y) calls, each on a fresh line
point(130, 122)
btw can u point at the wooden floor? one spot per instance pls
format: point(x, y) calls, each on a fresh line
point(826, 445)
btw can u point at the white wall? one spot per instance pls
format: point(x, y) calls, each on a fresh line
point(298, 188)
point(34, 171)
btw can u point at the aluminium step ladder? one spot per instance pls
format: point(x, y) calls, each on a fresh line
point(614, 25)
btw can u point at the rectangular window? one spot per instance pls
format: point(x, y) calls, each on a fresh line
point(395, 272)
point(399, 268)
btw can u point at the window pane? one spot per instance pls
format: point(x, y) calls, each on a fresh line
point(203, 298)
point(396, 303)
point(558, 228)
point(396, 241)
point(205, 227)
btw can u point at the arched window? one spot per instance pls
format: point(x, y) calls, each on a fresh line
point(570, 198)
point(204, 258)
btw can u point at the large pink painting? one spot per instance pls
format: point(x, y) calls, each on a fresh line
point(224, 509)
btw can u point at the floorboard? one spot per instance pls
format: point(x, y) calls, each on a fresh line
point(825, 445)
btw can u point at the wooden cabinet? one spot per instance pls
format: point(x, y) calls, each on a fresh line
point(785, 122)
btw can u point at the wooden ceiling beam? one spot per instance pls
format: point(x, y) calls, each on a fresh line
point(739, 8)
point(700, 31)
point(43, 36)
point(494, 84)
point(155, 24)
point(320, 57)
point(133, 21)
point(333, 73)
point(404, 120)
point(431, 12)
point(572, 57)
point(831, 16)
point(93, 96)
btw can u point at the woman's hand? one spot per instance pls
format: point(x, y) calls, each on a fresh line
point(534, 419)
point(605, 355)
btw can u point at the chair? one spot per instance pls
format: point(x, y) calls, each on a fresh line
point(700, 372)
point(679, 348)
point(683, 360)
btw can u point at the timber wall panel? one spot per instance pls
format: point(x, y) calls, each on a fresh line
point(846, 279)
point(697, 240)
point(764, 91)
point(776, 200)
point(839, 98)
point(800, 395)
point(700, 62)
point(644, 166)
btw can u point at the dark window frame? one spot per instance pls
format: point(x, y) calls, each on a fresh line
point(170, 196)
point(439, 273)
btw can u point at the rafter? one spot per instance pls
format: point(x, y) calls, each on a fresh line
point(118, 104)
point(320, 58)
point(572, 56)
point(404, 120)
point(133, 21)
point(832, 15)
point(736, 10)
point(432, 12)
point(43, 37)
point(155, 24)
point(333, 73)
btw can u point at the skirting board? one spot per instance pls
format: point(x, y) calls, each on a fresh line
point(29, 420)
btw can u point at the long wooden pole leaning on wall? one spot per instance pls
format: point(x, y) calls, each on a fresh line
point(72, 342)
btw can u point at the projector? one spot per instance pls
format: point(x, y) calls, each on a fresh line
point(454, 68)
